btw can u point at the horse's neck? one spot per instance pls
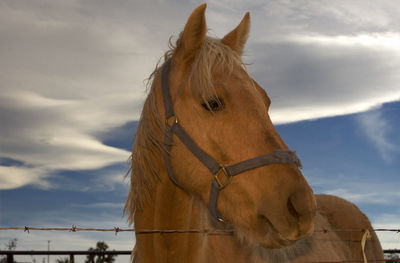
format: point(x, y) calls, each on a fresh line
point(172, 208)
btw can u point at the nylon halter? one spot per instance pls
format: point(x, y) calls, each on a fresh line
point(221, 174)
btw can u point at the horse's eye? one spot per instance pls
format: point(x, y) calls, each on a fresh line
point(213, 104)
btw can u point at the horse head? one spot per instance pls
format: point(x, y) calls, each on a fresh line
point(225, 113)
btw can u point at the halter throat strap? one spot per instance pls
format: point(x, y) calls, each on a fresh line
point(221, 174)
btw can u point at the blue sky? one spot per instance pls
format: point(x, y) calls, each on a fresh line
point(73, 85)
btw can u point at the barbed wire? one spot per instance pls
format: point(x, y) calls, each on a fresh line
point(117, 230)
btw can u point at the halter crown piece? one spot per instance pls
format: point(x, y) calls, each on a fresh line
point(221, 174)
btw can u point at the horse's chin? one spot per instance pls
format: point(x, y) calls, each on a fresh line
point(264, 235)
point(273, 240)
point(266, 241)
point(281, 250)
point(275, 243)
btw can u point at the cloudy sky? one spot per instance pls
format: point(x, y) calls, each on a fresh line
point(72, 87)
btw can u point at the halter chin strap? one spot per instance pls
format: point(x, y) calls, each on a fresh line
point(221, 174)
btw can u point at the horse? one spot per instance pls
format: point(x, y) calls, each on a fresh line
point(211, 180)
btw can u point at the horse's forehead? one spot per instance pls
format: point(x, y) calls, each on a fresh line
point(237, 77)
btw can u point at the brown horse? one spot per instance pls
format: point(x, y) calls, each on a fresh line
point(268, 210)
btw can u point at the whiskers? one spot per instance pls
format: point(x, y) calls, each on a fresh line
point(286, 254)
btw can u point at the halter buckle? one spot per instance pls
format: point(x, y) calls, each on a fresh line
point(222, 177)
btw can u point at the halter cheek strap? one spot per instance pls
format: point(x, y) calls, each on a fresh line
point(221, 174)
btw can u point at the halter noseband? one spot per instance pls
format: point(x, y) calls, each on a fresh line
point(221, 174)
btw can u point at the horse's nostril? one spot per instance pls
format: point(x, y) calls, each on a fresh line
point(264, 219)
point(291, 209)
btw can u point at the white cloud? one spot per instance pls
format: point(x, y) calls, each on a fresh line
point(317, 77)
point(75, 69)
point(14, 177)
point(49, 135)
point(300, 113)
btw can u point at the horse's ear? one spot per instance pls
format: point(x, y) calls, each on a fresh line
point(237, 38)
point(194, 33)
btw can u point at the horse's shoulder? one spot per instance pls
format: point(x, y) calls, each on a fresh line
point(340, 213)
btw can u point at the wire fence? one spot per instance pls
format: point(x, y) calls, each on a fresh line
point(117, 230)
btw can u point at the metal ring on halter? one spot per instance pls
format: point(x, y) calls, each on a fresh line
point(222, 177)
point(175, 120)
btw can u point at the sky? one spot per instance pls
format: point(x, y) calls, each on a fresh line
point(73, 83)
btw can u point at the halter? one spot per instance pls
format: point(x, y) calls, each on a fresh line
point(221, 174)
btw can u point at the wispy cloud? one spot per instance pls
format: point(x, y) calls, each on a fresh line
point(376, 128)
point(49, 134)
point(16, 176)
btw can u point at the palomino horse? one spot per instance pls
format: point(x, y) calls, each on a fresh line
point(208, 158)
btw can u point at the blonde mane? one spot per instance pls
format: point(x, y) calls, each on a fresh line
point(148, 152)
